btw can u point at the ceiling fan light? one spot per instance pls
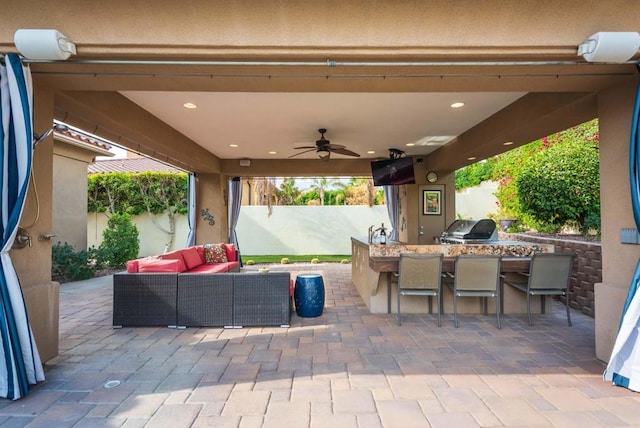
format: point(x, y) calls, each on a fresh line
point(324, 154)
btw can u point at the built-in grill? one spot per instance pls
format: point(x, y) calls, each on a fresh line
point(470, 232)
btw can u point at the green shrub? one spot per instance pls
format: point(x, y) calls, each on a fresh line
point(315, 260)
point(67, 264)
point(284, 261)
point(345, 261)
point(561, 184)
point(119, 242)
point(249, 263)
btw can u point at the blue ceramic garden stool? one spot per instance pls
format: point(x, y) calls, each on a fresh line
point(308, 295)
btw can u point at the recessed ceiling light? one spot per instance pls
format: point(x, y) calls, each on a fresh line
point(233, 145)
point(508, 143)
point(370, 152)
point(190, 105)
point(471, 158)
point(457, 105)
point(411, 144)
point(272, 153)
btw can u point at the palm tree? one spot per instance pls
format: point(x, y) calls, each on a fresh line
point(320, 184)
point(288, 191)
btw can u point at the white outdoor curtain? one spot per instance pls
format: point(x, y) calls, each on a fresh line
point(235, 200)
point(20, 363)
point(191, 207)
point(391, 197)
point(624, 365)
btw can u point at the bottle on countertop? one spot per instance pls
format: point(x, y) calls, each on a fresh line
point(383, 235)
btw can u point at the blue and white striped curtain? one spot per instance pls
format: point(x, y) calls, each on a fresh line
point(20, 363)
point(624, 365)
point(191, 207)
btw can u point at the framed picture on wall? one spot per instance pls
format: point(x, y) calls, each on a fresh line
point(432, 202)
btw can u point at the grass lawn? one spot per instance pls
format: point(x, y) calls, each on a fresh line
point(292, 259)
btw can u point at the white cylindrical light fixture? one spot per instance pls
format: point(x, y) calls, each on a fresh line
point(43, 44)
point(613, 47)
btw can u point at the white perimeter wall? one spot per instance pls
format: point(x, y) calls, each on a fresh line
point(292, 230)
point(478, 201)
point(289, 230)
point(313, 230)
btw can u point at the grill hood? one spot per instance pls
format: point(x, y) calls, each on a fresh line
point(470, 231)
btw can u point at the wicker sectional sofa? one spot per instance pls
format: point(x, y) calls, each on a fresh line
point(202, 299)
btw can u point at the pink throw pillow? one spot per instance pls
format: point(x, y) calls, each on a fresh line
point(230, 249)
point(214, 253)
point(191, 257)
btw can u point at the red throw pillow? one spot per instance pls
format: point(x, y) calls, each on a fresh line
point(231, 252)
point(191, 257)
point(214, 253)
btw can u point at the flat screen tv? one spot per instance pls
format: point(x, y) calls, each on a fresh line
point(389, 172)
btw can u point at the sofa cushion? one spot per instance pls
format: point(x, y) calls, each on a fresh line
point(174, 255)
point(211, 268)
point(215, 253)
point(160, 266)
point(132, 266)
point(191, 257)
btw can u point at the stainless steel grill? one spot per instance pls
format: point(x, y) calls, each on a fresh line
point(470, 232)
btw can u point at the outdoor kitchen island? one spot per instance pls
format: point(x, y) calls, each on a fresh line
point(372, 267)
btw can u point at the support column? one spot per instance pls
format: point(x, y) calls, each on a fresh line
point(33, 263)
point(212, 196)
point(615, 108)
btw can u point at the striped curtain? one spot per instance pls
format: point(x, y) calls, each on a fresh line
point(20, 363)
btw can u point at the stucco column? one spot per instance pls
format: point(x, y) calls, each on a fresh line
point(212, 195)
point(615, 108)
point(33, 263)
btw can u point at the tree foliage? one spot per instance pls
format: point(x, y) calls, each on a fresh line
point(137, 193)
point(552, 182)
point(474, 174)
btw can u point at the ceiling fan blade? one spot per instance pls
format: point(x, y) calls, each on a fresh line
point(305, 147)
point(343, 151)
point(334, 146)
point(312, 149)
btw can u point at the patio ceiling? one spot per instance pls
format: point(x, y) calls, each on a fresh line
point(244, 112)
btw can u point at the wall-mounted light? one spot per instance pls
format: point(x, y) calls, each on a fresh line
point(245, 162)
point(43, 44)
point(614, 47)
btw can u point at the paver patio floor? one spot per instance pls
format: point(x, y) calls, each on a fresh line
point(346, 368)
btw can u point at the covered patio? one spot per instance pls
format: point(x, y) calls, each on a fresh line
point(347, 367)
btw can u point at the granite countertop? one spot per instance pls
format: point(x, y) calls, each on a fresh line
point(501, 248)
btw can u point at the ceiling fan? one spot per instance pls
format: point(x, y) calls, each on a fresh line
point(324, 148)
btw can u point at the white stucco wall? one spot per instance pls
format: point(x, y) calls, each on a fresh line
point(152, 239)
point(478, 201)
point(305, 229)
point(290, 230)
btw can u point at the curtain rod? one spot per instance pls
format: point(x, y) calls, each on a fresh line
point(327, 63)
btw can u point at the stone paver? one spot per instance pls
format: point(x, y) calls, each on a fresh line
point(346, 368)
